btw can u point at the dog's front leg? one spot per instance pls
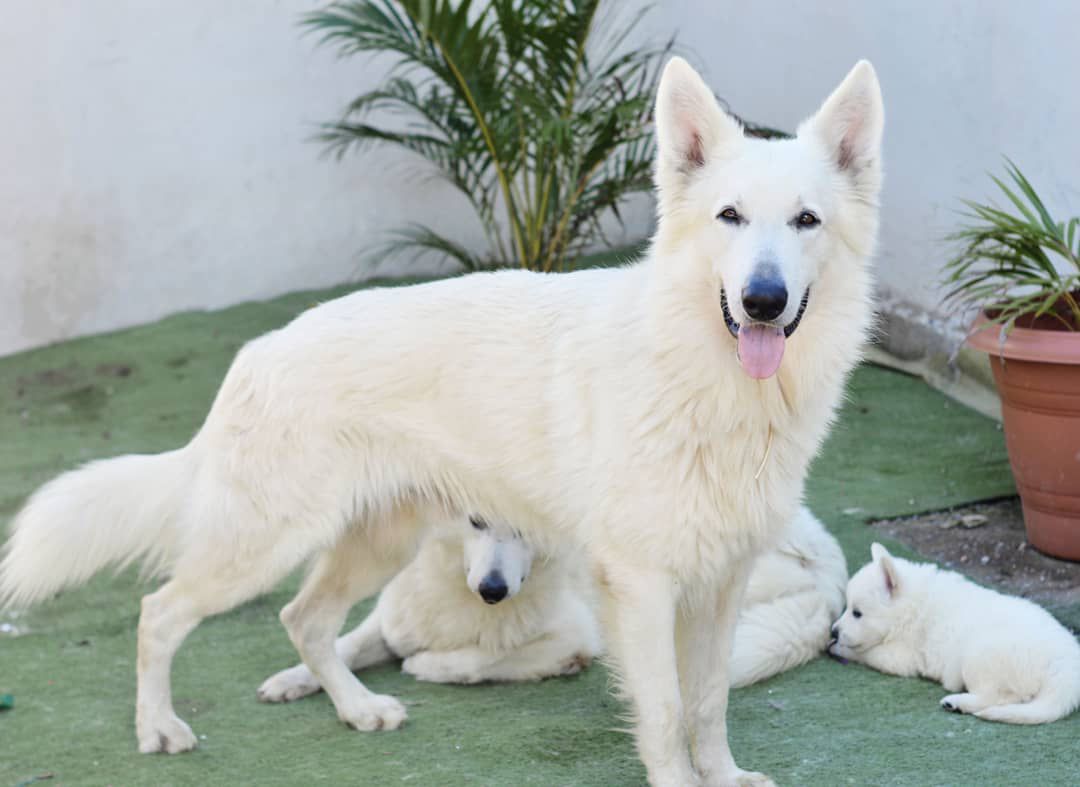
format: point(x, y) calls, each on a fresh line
point(638, 610)
point(705, 636)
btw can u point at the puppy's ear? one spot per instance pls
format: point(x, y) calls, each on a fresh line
point(850, 123)
point(883, 559)
point(690, 125)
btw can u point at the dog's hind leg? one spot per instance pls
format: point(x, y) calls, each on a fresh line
point(362, 647)
point(553, 654)
point(357, 567)
point(568, 646)
point(173, 612)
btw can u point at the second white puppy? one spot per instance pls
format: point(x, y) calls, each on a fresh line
point(512, 619)
point(1006, 658)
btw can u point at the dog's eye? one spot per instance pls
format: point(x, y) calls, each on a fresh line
point(478, 523)
point(730, 215)
point(856, 614)
point(807, 219)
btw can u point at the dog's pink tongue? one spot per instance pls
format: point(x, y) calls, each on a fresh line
point(761, 347)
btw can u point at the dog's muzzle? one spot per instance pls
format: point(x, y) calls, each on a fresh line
point(733, 327)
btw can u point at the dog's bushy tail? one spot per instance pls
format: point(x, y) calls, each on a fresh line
point(109, 512)
point(779, 635)
point(1059, 697)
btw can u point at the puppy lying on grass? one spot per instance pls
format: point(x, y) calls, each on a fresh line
point(1006, 658)
point(518, 616)
point(513, 618)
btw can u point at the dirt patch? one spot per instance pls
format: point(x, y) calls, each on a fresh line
point(113, 370)
point(994, 552)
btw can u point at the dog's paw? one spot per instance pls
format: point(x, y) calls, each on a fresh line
point(432, 667)
point(288, 685)
point(575, 664)
point(962, 703)
point(753, 779)
point(739, 778)
point(169, 735)
point(375, 712)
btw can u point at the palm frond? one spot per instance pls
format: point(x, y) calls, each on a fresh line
point(416, 240)
point(1015, 265)
point(514, 103)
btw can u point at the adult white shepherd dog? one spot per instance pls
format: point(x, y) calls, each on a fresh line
point(662, 414)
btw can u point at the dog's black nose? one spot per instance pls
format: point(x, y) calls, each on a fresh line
point(834, 632)
point(493, 588)
point(764, 298)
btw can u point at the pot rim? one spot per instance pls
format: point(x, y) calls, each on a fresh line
point(1025, 344)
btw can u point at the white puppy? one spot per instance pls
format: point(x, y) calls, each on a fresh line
point(496, 626)
point(1007, 658)
point(795, 592)
point(514, 618)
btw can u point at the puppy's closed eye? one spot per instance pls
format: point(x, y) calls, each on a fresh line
point(856, 614)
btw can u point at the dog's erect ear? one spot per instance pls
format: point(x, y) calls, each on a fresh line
point(850, 122)
point(689, 123)
point(882, 557)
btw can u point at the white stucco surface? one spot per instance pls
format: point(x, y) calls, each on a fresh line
point(155, 155)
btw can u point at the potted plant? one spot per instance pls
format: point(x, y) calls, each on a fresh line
point(1021, 268)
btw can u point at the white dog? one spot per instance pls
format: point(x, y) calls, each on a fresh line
point(796, 591)
point(496, 626)
point(513, 618)
point(662, 415)
point(1007, 658)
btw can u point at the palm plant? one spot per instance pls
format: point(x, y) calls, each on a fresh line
point(1019, 264)
point(543, 128)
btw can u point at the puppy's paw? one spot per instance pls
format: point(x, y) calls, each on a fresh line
point(376, 712)
point(433, 667)
point(738, 778)
point(288, 685)
point(963, 703)
point(167, 735)
point(575, 664)
point(753, 779)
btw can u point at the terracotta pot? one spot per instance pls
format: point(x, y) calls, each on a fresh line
point(1037, 371)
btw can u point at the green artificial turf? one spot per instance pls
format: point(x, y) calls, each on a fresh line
point(899, 447)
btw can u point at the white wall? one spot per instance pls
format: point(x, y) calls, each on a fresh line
point(155, 154)
point(965, 81)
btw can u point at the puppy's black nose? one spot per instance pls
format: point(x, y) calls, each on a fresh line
point(493, 588)
point(835, 631)
point(764, 298)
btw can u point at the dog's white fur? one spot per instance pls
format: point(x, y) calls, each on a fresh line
point(446, 634)
point(1005, 658)
point(795, 592)
point(605, 407)
point(432, 616)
